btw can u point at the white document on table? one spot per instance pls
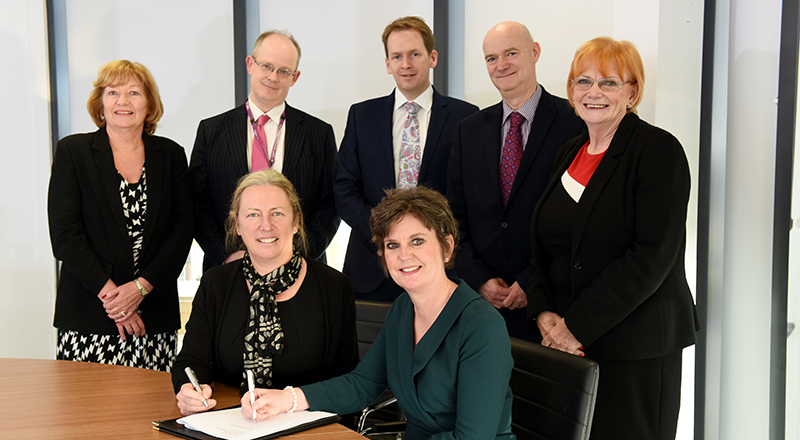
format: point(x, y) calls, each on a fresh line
point(230, 424)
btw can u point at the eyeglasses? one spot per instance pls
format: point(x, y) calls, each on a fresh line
point(269, 68)
point(605, 84)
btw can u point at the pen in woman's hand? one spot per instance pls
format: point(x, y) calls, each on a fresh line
point(251, 385)
point(195, 384)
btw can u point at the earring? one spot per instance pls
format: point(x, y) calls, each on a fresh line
point(447, 259)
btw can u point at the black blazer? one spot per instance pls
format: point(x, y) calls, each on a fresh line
point(366, 169)
point(89, 235)
point(202, 345)
point(219, 160)
point(628, 245)
point(495, 239)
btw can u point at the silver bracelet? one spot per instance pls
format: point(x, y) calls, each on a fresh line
point(294, 399)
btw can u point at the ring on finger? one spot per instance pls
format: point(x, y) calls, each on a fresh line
point(123, 313)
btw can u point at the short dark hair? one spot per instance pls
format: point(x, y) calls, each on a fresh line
point(426, 205)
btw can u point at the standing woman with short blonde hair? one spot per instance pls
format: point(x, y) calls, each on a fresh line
point(121, 222)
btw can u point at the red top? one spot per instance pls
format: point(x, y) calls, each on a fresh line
point(580, 171)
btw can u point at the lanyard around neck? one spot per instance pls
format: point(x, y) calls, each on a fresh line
point(270, 157)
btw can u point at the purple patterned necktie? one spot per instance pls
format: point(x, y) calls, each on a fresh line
point(512, 156)
point(410, 154)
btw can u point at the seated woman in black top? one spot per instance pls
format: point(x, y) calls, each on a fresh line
point(289, 319)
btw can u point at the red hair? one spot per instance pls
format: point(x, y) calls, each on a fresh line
point(607, 55)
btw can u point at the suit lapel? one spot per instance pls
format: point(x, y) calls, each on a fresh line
point(492, 140)
point(439, 115)
point(104, 160)
point(294, 141)
point(603, 173)
point(235, 132)
point(542, 121)
point(385, 142)
point(155, 169)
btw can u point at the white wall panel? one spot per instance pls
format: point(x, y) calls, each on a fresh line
point(27, 268)
point(750, 177)
point(188, 46)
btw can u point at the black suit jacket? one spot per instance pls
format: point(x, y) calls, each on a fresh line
point(495, 239)
point(89, 234)
point(219, 160)
point(628, 245)
point(366, 170)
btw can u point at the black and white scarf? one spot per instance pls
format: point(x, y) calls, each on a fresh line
point(263, 336)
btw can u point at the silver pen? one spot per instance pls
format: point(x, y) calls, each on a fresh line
point(251, 385)
point(195, 384)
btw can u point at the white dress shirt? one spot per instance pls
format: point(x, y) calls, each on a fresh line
point(271, 129)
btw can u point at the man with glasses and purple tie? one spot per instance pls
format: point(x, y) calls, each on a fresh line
point(396, 141)
point(499, 167)
point(264, 133)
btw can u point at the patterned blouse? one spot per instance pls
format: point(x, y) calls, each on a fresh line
point(134, 207)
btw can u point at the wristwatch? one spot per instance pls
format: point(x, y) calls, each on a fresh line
point(142, 290)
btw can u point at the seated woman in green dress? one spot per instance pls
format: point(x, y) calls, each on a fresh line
point(443, 350)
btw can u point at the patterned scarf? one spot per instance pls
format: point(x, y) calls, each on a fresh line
point(263, 337)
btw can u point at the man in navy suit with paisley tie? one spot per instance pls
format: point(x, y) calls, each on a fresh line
point(397, 141)
point(264, 132)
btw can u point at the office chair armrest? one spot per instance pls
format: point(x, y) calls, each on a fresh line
point(370, 409)
point(384, 429)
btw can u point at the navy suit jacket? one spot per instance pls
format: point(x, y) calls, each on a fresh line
point(219, 160)
point(495, 240)
point(628, 245)
point(366, 170)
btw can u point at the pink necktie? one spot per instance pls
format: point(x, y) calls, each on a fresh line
point(410, 152)
point(512, 156)
point(260, 160)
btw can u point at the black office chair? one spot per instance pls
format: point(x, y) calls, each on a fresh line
point(369, 321)
point(382, 418)
point(554, 393)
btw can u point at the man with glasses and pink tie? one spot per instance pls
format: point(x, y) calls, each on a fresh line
point(500, 165)
point(264, 133)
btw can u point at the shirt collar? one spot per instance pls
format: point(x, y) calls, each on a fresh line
point(274, 114)
point(424, 100)
point(528, 110)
